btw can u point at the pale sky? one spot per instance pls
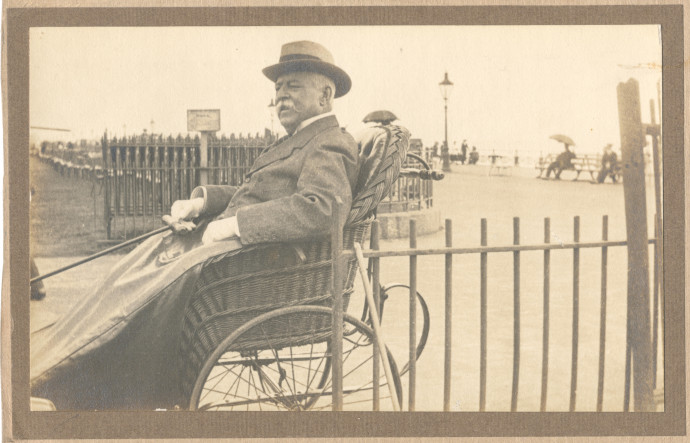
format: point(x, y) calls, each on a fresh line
point(514, 85)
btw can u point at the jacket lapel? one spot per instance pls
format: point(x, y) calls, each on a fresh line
point(284, 147)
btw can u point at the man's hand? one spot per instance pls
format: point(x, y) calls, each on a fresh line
point(186, 209)
point(220, 230)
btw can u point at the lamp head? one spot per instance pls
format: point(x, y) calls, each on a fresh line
point(446, 87)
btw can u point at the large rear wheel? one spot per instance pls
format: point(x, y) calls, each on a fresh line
point(277, 361)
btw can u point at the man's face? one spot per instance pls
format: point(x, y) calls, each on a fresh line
point(297, 99)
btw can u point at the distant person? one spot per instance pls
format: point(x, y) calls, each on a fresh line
point(609, 161)
point(474, 156)
point(463, 152)
point(493, 156)
point(563, 161)
point(517, 158)
point(435, 156)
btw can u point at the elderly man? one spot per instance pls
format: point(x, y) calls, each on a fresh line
point(289, 191)
point(114, 349)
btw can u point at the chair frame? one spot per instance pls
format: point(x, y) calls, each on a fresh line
point(232, 288)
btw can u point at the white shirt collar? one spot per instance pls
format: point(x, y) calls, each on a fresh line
point(309, 121)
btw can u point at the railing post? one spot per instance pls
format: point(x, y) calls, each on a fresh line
point(483, 258)
point(413, 318)
point(602, 314)
point(107, 194)
point(516, 316)
point(337, 294)
point(545, 333)
point(632, 142)
point(203, 157)
point(118, 183)
point(576, 314)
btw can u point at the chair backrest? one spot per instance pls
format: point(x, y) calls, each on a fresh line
point(382, 151)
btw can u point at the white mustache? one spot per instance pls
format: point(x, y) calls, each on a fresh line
point(286, 106)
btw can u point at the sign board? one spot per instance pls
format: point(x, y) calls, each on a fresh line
point(203, 120)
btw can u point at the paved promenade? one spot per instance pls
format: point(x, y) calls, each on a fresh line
point(465, 196)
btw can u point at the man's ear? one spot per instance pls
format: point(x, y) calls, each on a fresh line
point(327, 95)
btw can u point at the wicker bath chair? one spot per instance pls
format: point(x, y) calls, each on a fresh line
point(256, 332)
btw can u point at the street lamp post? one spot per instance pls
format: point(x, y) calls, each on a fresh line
point(446, 87)
point(270, 110)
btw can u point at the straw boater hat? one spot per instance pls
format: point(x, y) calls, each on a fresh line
point(311, 57)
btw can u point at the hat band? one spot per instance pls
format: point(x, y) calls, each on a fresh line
point(290, 57)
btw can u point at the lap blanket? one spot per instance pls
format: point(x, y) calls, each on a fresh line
point(118, 348)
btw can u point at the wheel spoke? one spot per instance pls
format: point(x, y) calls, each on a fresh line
point(238, 378)
point(220, 379)
point(292, 367)
point(301, 384)
point(252, 384)
point(266, 379)
point(282, 372)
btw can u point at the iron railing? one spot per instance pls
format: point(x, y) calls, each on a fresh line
point(144, 175)
point(517, 249)
point(139, 177)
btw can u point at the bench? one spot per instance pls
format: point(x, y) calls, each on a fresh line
point(585, 163)
point(500, 165)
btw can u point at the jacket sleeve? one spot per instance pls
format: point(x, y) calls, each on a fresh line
point(216, 197)
point(329, 171)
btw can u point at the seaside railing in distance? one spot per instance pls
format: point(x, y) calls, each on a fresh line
point(137, 178)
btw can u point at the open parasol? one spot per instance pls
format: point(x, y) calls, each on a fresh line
point(563, 139)
point(382, 116)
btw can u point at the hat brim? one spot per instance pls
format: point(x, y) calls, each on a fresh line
point(340, 78)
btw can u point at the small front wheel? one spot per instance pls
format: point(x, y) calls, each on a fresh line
point(394, 314)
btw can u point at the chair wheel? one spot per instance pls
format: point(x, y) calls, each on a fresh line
point(275, 362)
point(395, 306)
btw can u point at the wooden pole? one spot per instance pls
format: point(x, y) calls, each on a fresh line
point(374, 315)
point(632, 143)
point(203, 152)
point(655, 131)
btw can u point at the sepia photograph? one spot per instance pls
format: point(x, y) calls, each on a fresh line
point(443, 218)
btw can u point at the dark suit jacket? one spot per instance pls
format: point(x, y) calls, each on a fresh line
point(288, 193)
point(609, 161)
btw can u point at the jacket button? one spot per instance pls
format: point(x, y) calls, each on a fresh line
point(247, 179)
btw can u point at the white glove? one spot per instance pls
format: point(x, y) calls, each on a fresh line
point(186, 209)
point(220, 230)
